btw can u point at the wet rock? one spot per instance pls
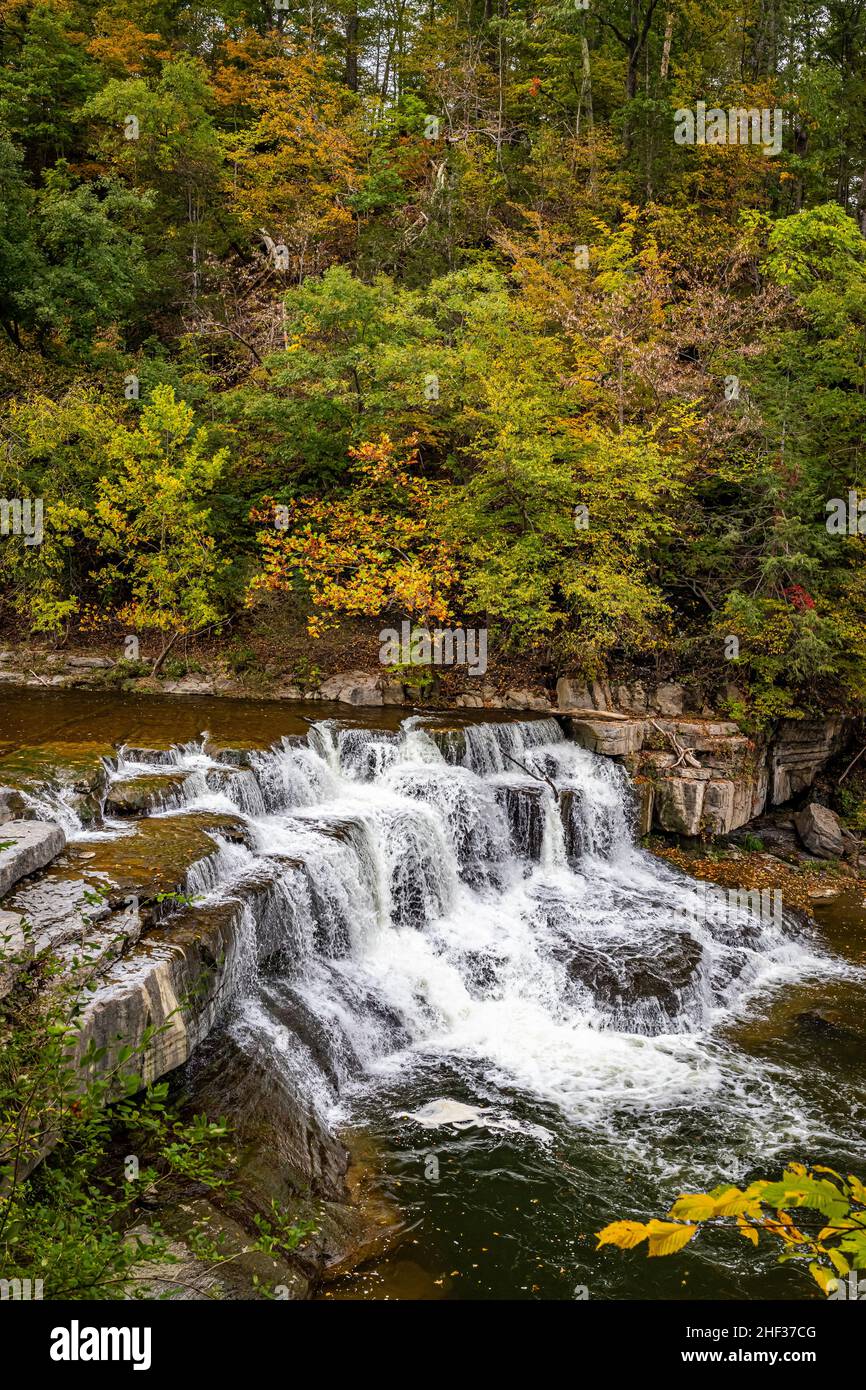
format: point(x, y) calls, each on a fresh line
point(289, 1156)
point(79, 770)
point(523, 804)
point(163, 998)
point(61, 911)
point(820, 831)
point(823, 1023)
point(159, 757)
point(643, 990)
point(12, 806)
point(25, 846)
point(90, 883)
point(140, 795)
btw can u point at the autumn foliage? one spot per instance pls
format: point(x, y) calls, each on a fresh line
point(377, 550)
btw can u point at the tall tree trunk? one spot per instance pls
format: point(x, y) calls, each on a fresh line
point(351, 70)
point(666, 48)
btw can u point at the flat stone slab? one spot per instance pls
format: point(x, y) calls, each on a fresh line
point(25, 846)
point(613, 739)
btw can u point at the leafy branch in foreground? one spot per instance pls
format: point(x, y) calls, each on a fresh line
point(829, 1232)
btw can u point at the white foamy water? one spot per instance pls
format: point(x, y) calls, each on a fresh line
point(475, 896)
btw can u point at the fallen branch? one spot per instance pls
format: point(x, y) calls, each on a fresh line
point(538, 776)
point(684, 754)
point(852, 762)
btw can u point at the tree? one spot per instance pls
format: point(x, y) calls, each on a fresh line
point(158, 567)
point(71, 260)
point(377, 550)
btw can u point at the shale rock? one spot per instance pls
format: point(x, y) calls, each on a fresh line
point(615, 738)
point(353, 688)
point(28, 845)
point(799, 751)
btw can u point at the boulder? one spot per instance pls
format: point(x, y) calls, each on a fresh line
point(575, 694)
point(679, 804)
point(89, 663)
point(393, 692)
point(353, 688)
point(632, 698)
point(12, 806)
point(526, 699)
point(668, 699)
point(572, 694)
point(820, 831)
point(190, 685)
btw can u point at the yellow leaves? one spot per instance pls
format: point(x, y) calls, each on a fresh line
point(623, 1234)
point(666, 1237)
point(379, 548)
point(858, 1190)
point(733, 1203)
point(762, 1207)
point(838, 1261)
point(784, 1229)
point(823, 1277)
point(697, 1206)
point(662, 1237)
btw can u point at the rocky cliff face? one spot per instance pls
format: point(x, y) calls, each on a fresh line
point(696, 775)
point(123, 916)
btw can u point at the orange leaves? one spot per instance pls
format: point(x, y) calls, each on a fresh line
point(378, 549)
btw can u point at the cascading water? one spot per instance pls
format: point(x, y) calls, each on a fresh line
point(455, 922)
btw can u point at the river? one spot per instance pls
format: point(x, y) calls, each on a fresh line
point(476, 973)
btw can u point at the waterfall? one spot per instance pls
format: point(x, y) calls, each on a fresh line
point(469, 891)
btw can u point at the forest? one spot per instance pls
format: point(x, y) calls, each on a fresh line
point(538, 316)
